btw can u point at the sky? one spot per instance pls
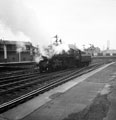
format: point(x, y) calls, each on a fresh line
point(80, 22)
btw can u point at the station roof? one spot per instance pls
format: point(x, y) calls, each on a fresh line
point(109, 51)
point(10, 42)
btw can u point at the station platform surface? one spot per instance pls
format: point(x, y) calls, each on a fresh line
point(71, 97)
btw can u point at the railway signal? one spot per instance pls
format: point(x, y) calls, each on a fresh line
point(57, 41)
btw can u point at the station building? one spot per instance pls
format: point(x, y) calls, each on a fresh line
point(15, 51)
point(109, 52)
point(95, 51)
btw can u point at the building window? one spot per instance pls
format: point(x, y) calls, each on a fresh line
point(27, 47)
point(1, 47)
point(13, 59)
point(24, 59)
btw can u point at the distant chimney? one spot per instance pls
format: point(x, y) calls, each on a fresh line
point(108, 44)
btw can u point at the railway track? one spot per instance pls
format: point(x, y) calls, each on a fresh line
point(15, 73)
point(38, 85)
point(24, 81)
point(14, 86)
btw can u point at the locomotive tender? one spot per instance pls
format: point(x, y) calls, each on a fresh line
point(65, 60)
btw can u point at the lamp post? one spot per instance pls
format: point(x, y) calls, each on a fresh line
point(19, 53)
point(5, 51)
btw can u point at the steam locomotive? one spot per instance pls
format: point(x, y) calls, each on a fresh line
point(65, 60)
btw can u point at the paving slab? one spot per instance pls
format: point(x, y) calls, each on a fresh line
point(74, 100)
point(112, 111)
point(112, 98)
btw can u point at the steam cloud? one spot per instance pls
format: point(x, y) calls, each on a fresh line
point(18, 21)
point(7, 34)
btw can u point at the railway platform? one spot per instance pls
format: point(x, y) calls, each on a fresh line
point(90, 97)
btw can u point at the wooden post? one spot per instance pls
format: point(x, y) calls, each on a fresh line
point(5, 52)
point(19, 56)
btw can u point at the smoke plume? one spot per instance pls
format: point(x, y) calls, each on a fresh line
point(19, 22)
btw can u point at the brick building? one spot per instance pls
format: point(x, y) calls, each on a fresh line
point(15, 51)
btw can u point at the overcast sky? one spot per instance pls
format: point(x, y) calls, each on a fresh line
point(82, 22)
